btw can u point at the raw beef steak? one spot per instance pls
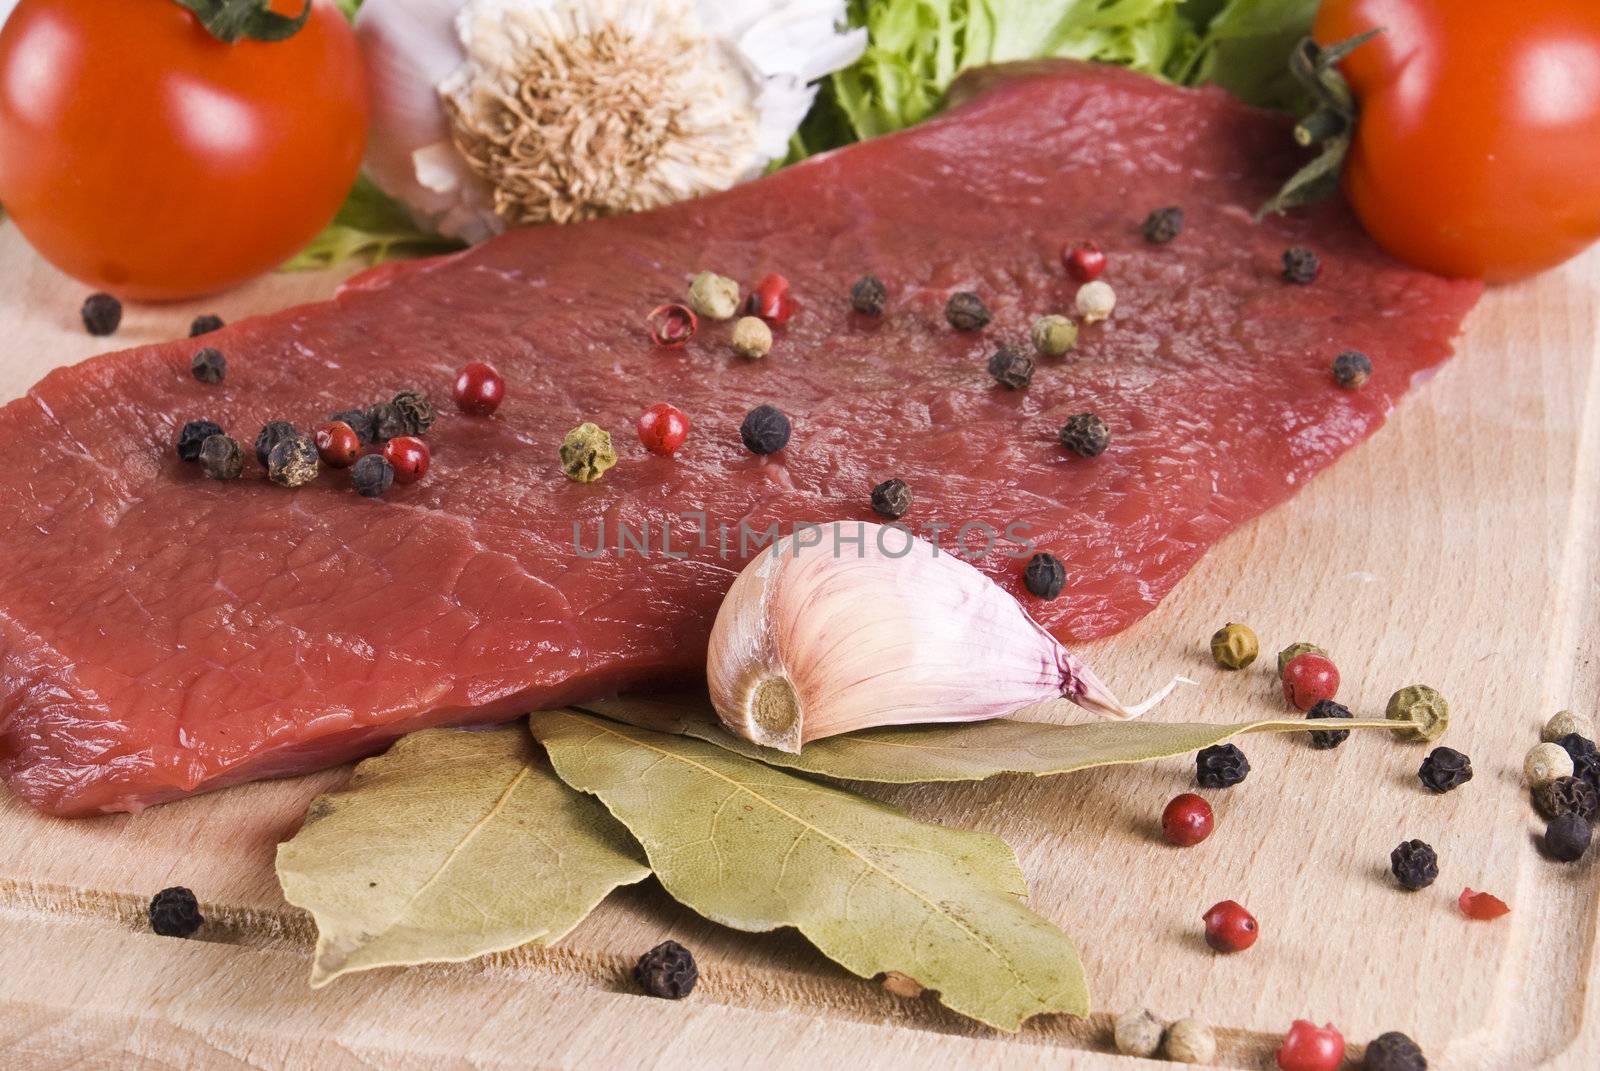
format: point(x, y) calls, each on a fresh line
point(162, 634)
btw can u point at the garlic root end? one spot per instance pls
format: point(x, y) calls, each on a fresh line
point(1095, 696)
point(772, 716)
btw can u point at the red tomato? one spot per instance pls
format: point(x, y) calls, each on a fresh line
point(1478, 147)
point(141, 155)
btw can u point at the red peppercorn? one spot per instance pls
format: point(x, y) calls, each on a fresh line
point(1308, 679)
point(337, 444)
point(479, 389)
point(770, 300)
point(1187, 820)
point(1481, 905)
point(1084, 261)
point(662, 429)
point(1307, 1047)
point(409, 456)
point(672, 325)
point(1230, 928)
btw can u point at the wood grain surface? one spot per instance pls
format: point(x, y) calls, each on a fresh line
point(1457, 548)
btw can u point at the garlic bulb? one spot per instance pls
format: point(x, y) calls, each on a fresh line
point(490, 113)
point(853, 625)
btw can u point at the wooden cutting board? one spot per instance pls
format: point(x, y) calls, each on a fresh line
point(1457, 547)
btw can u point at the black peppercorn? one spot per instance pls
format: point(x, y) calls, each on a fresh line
point(1085, 435)
point(1011, 367)
point(388, 421)
point(1044, 576)
point(1414, 864)
point(1566, 838)
point(1576, 745)
point(271, 435)
point(1300, 265)
point(1567, 795)
point(294, 462)
point(193, 435)
point(1163, 225)
point(765, 430)
point(891, 498)
point(1351, 369)
point(1393, 1052)
point(416, 410)
point(102, 314)
point(209, 365)
point(868, 296)
point(1328, 739)
point(1585, 758)
point(667, 970)
point(966, 311)
point(1445, 768)
point(204, 325)
point(221, 457)
point(1220, 766)
point(360, 422)
point(372, 476)
point(175, 912)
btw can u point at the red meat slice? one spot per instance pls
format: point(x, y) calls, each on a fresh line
point(162, 634)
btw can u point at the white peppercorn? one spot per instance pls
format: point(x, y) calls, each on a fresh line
point(1137, 1033)
point(1564, 723)
point(714, 296)
point(752, 338)
point(1096, 301)
point(1191, 1041)
point(1545, 763)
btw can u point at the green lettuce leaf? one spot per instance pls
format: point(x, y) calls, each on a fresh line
point(370, 225)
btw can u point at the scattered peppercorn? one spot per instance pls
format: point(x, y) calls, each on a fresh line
point(662, 429)
point(1546, 763)
point(415, 410)
point(409, 456)
point(1190, 1041)
point(891, 499)
point(1187, 820)
point(209, 365)
point(338, 445)
point(1053, 335)
point(1308, 679)
point(1096, 301)
point(770, 300)
point(1300, 265)
point(714, 296)
point(1576, 745)
point(765, 430)
point(1445, 768)
point(1423, 708)
point(270, 436)
point(1414, 864)
point(193, 435)
point(478, 389)
point(1352, 369)
point(1044, 576)
point(1481, 906)
point(1565, 722)
point(1295, 650)
point(1229, 927)
point(204, 325)
point(102, 315)
point(1085, 434)
point(1234, 646)
point(1137, 1033)
point(372, 476)
point(1328, 739)
point(586, 453)
point(667, 970)
point(1220, 766)
point(869, 296)
point(1084, 261)
point(1011, 368)
point(1393, 1052)
point(966, 311)
point(672, 325)
point(752, 338)
point(1566, 838)
point(221, 457)
point(1308, 1047)
point(1567, 795)
point(293, 462)
point(174, 912)
point(360, 422)
point(388, 421)
point(1163, 225)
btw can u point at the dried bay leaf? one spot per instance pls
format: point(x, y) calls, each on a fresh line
point(755, 848)
point(451, 845)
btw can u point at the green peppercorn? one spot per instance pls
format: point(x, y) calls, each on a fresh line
point(1423, 708)
point(716, 297)
point(586, 453)
point(966, 311)
point(1234, 646)
point(1054, 335)
point(1295, 650)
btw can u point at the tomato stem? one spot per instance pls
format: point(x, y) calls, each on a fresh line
point(229, 21)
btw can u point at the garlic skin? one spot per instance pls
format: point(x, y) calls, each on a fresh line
point(853, 625)
point(493, 113)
